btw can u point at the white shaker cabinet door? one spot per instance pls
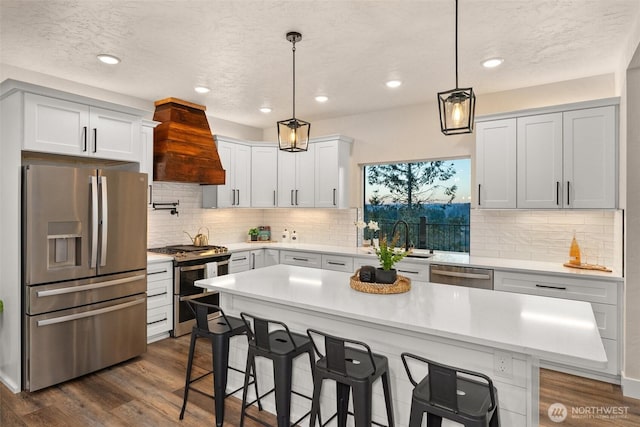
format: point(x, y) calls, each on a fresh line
point(305, 178)
point(496, 164)
point(264, 177)
point(114, 135)
point(242, 172)
point(590, 158)
point(53, 125)
point(539, 162)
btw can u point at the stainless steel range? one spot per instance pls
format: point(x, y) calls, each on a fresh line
point(193, 263)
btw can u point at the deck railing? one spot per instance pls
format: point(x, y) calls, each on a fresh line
point(435, 236)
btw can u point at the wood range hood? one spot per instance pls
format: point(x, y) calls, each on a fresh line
point(183, 146)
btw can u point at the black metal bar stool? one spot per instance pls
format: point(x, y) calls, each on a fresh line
point(273, 340)
point(442, 393)
point(352, 365)
point(218, 331)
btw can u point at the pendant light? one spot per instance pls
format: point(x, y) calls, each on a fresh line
point(457, 106)
point(293, 134)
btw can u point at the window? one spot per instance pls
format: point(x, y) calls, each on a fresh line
point(432, 197)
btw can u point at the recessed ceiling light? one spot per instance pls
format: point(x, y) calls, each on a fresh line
point(108, 59)
point(265, 110)
point(202, 89)
point(394, 83)
point(492, 62)
point(322, 98)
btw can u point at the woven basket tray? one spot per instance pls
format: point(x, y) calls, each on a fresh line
point(402, 284)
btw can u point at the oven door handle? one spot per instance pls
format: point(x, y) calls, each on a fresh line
point(193, 268)
point(91, 313)
point(73, 289)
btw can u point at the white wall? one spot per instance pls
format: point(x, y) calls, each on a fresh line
point(631, 371)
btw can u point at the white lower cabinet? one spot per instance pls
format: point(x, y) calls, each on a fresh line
point(271, 257)
point(337, 263)
point(159, 300)
point(240, 261)
point(604, 297)
point(304, 259)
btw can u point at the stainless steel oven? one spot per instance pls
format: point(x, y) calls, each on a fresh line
point(193, 263)
point(185, 276)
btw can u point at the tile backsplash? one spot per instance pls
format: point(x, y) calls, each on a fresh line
point(518, 234)
point(316, 226)
point(546, 235)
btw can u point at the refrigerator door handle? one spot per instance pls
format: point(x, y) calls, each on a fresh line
point(72, 317)
point(104, 221)
point(94, 221)
point(73, 289)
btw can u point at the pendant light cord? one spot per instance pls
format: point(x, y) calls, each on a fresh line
point(294, 77)
point(456, 44)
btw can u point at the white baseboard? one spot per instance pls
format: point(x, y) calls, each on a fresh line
point(630, 386)
point(11, 385)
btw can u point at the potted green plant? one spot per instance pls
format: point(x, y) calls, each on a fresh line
point(254, 232)
point(388, 255)
point(1, 306)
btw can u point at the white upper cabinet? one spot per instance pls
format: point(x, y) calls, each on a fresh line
point(332, 173)
point(539, 163)
point(590, 171)
point(559, 159)
point(236, 160)
point(264, 176)
point(53, 125)
point(296, 178)
point(146, 159)
point(496, 164)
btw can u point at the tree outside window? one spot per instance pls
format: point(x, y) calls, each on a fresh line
point(433, 197)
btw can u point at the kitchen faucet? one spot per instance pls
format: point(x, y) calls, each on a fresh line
point(406, 233)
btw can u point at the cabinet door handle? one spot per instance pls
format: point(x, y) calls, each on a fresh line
point(253, 261)
point(150, 194)
point(558, 193)
point(334, 197)
point(296, 197)
point(238, 198)
point(558, 288)
point(408, 271)
point(336, 263)
point(244, 258)
point(150, 273)
point(157, 321)
point(301, 259)
point(291, 197)
point(274, 197)
point(84, 139)
point(233, 197)
point(95, 140)
point(479, 194)
point(568, 192)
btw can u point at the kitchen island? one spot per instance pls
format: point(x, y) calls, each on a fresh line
point(503, 335)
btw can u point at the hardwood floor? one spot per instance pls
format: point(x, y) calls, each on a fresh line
point(147, 391)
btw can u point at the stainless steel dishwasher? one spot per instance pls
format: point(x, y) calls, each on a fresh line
point(461, 276)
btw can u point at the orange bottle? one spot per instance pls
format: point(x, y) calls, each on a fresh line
point(574, 252)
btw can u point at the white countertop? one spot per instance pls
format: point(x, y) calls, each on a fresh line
point(552, 329)
point(522, 266)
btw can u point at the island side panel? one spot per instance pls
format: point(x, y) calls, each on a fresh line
point(518, 392)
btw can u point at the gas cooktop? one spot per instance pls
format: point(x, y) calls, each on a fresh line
point(189, 252)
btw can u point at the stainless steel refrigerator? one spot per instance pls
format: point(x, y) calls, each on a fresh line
point(84, 241)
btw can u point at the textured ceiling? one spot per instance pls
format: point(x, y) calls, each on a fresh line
point(348, 48)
